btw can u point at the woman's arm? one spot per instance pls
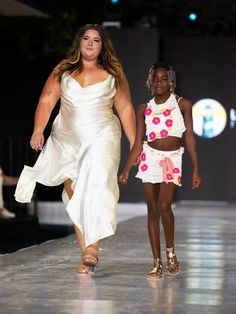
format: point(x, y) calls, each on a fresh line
point(125, 110)
point(137, 147)
point(186, 108)
point(47, 101)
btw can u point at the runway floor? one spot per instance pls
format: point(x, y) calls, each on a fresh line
point(42, 279)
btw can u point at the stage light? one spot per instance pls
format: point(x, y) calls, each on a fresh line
point(193, 16)
point(113, 9)
point(209, 118)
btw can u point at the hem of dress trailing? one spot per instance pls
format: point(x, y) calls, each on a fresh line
point(102, 236)
point(99, 238)
point(22, 201)
point(51, 184)
point(29, 200)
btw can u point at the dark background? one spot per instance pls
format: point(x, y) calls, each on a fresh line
point(202, 52)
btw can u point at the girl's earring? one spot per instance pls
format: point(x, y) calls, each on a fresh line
point(171, 87)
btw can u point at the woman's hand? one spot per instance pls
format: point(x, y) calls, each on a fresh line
point(37, 141)
point(196, 180)
point(123, 178)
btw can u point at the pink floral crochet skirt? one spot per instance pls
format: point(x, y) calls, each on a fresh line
point(156, 166)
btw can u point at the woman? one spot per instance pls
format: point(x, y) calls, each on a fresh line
point(83, 150)
point(163, 120)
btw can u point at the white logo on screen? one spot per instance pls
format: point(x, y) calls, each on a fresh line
point(209, 118)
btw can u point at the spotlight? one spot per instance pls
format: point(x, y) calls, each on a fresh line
point(193, 16)
point(113, 9)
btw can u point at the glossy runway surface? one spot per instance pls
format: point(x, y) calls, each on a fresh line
point(42, 279)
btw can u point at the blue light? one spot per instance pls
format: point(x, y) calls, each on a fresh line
point(114, 1)
point(192, 16)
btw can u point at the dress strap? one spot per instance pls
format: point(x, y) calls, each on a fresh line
point(179, 99)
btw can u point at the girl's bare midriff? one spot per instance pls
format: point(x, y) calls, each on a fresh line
point(166, 144)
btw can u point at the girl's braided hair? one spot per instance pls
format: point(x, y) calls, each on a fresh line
point(170, 72)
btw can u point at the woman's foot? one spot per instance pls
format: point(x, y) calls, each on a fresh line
point(83, 269)
point(157, 270)
point(90, 257)
point(173, 265)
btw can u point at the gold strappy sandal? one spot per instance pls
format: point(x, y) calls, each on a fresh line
point(157, 270)
point(90, 257)
point(173, 265)
point(83, 269)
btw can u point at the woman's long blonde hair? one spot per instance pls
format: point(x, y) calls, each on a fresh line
point(107, 58)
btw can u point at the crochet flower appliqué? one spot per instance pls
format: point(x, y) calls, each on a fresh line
point(144, 167)
point(163, 133)
point(143, 157)
point(156, 120)
point(148, 111)
point(169, 123)
point(176, 170)
point(167, 112)
point(179, 180)
point(169, 176)
point(152, 136)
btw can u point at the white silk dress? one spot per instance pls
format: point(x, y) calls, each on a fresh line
point(84, 146)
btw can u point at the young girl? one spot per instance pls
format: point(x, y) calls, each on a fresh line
point(163, 120)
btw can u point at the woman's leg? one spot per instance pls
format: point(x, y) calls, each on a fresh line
point(68, 189)
point(151, 194)
point(79, 235)
point(91, 250)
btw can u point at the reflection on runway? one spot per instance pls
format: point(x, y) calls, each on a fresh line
point(43, 279)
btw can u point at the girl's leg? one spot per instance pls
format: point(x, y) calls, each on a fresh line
point(164, 203)
point(151, 194)
point(166, 195)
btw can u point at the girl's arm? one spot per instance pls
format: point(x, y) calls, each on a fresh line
point(47, 101)
point(125, 110)
point(186, 108)
point(137, 147)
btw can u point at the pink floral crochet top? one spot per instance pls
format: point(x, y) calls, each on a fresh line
point(163, 120)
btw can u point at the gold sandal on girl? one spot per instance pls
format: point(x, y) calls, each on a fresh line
point(173, 265)
point(157, 270)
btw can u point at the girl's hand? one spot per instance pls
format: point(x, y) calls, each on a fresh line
point(37, 141)
point(196, 180)
point(123, 178)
